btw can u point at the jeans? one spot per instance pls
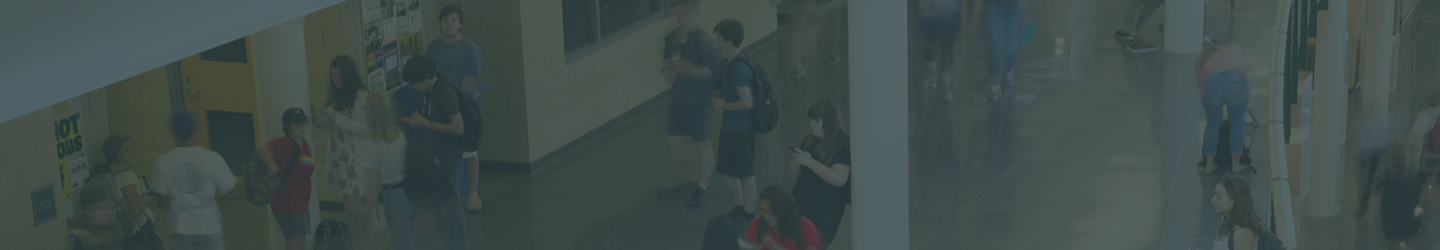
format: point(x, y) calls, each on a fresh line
point(198, 242)
point(1226, 88)
point(1002, 30)
point(400, 216)
point(462, 180)
point(450, 214)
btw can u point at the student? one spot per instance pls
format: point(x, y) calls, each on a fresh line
point(1398, 192)
point(290, 157)
point(344, 116)
point(98, 226)
point(1221, 77)
point(736, 159)
point(443, 126)
point(383, 157)
point(189, 177)
point(1240, 225)
point(1002, 29)
point(127, 190)
point(939, 24)
point(822, 164)
point(457, 58)
point(690, 59)
point(783, 227)
point(1135, 17)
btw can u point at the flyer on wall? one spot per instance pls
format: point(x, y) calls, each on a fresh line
point(391, 30)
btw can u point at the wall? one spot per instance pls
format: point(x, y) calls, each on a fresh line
point(565, 100)
point(26, 144)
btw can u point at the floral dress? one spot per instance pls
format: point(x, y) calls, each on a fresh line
point(347, 129)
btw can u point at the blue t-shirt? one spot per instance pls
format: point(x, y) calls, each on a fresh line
point(458, 60)
point(699, 48)
point(409, 100)
point(737, 75)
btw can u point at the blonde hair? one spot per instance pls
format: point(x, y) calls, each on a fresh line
point(381, 121)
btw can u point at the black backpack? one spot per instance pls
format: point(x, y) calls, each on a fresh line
point(766, 112)
point(426, 182)
point(474, 122)
point(1263, 241)
point(332, 235)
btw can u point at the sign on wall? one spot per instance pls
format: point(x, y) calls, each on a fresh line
point(392, 32)
point(42, 204)
point(70, 151)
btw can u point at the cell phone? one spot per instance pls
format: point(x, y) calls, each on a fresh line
point(796, 150)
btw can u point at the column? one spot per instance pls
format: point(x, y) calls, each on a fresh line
point(879, 124)
point(281, 82)
point(1180, 125)
point(1379, 27)
point(1329, 105)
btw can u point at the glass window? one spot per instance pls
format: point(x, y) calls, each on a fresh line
point(588, 22)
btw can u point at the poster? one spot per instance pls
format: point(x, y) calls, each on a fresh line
point(42, 204)
point(392, 33)
point(70, 153)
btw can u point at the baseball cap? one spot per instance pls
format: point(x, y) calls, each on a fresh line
point(294, 116)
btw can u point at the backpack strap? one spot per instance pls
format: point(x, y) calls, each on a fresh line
point(294, 159)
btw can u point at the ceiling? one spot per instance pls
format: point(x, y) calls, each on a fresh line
point(55, 50)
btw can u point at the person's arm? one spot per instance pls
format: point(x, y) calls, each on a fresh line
point(794, 165)
point(835, 174)
point(263, 152)
point(224, 180)
point(742, 79)
point(1199, 68)
point(752, 229)
point(445, 102)
point(470, 83)
point(357, 123)
point(1244, 238)
point(134, 200)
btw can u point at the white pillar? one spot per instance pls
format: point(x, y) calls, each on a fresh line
point(1180, 103)
point(282, 82)
point(1329, 105)
point(879, 124)
point(1184, 26)
point(1379, 27)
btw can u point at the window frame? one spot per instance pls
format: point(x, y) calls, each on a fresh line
point(602, 39)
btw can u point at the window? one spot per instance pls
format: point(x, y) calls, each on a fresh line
point(589, 22)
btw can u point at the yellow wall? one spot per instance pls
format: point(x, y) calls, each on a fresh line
point(565, 100)
point(27, 145)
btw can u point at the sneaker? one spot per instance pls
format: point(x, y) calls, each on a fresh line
point(835, 59)
point(799, 74)
point(474, 203)
point(994, 91)
point(1010, 79)
point(949, 97)
point(1126, 35)
point(930, 80)
point(697, 198)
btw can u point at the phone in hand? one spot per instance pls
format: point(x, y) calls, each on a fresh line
point(796, 150)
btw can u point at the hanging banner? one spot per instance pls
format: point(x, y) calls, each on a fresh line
point(391, 29)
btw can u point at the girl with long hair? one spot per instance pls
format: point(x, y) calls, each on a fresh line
point(383, 156)
point(127, 191)
point(1240, 224)
point(780, 226)
point(822, 164)
point(344, 115)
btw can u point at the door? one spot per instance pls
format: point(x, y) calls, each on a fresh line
point(218, 86)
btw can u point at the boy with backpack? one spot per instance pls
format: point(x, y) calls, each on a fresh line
point(290, 157)
point(446, 119)
point(736, 158)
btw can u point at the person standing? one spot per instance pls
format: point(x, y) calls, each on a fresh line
point(939, 24)
point(1003, 19)
point(691, 62)
point(383, 157)
point(457, 58)
point(1223, 86)
point(189, 177)
point(291, 159)
point(443, 126)
point(822, 164)
point(736, 159)
point(343, 115)
point(128, 191)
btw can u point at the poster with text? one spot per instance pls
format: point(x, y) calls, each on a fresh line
point(70, 152)
point(388, 24)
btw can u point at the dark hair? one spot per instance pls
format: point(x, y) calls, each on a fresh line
point(782, 205)
point(182, 125)
point(95, 194)
point(418, 69)
point(1243, 212)
point(111, 150)
point(343, 99)
point(836, 136)
point(292, 117)
point(452, 9)
point(730, 30)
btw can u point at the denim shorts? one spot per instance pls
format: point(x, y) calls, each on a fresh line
point(293, 225)
point(941, 26)
point(691, 120)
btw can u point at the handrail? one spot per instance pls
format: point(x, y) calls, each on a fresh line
point(1279, 172)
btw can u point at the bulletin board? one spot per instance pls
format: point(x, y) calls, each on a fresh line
point(392, 32)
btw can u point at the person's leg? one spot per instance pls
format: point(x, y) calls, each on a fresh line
point(994, 38)
point(472, 167)
point(1237, 102)
point(1212, 101)
point(182, 242)
point(400, 219)
point(829, 225)
point(363, 232)
point(836, 36)
point(748, 189)
point(707, 162)
point(451, 218)
point(681, 168)
point(1013, 26)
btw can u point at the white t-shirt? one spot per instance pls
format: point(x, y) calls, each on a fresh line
point(932, 8)
point(192, 177)
point(387, 158)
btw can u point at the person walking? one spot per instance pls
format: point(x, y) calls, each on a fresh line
point(189, 178)
point(291, 159)
point(939, 25)
point(128, 190)
point(343, 115)
point(691, 66)
point(383, 158)
point(1223, 86)
point(457, 58)
point(1003, 20)
point(736, 159)
point(443, 126)
point(781, 226)
point(822, 164)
